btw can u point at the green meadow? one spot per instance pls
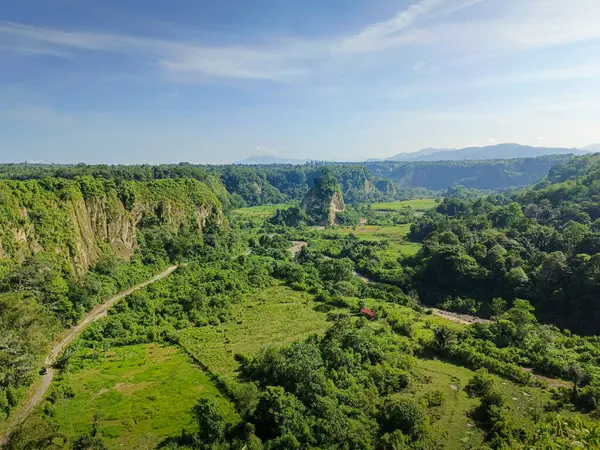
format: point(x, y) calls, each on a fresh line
point(277, 315)
point(417, 205)
point(393, 235)
point(141, 395)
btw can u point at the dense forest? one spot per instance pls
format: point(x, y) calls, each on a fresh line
point(301, 337)
point(540, 244)
point(360, 182)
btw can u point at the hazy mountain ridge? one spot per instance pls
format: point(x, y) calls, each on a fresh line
point(499, 151)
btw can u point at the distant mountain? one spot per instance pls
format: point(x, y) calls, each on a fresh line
point(415, 156)
point(270, 159)
point(500, 151)
point(591, 148)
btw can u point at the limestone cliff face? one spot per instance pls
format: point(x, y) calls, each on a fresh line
point(324, 200)
point(79, 226)
point(385, 186)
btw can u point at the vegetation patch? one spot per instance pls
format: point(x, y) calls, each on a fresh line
point(140, 395)
point(259, 212)
point(277, 315)
point(394, 236)
point(453, 424)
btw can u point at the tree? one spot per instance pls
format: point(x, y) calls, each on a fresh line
point(498, 306)
point(406, 415)
point(481, 383)
point(578, 377)
point(88, 442)
point(521, 314)
point(443, 337)
point(211, 423)
point(280, 413)
point(337, 269)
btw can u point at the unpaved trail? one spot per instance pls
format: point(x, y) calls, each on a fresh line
point(93, 315)
point(464, 319)
point(553, 382)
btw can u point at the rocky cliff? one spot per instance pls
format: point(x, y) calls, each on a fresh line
point(79, 220)
point(324, 200)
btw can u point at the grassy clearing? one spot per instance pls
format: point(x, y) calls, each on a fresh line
point(453, 426)
point(274, 316)
point(417, 205)
point(393, 235)
point(143, 394)
point(259, 212)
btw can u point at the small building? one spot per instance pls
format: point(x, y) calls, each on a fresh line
point(368, 313)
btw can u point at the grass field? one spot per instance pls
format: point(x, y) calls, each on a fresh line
point(275, 316)
point(394, 235)
point(418, 205)
point(143, 394)
point(261, 212)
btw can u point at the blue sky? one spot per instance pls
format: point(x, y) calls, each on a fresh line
point(213, 82)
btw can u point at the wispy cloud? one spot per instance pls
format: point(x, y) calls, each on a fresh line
point(180, 59)
point(555, 74)
point(427, 29)
point(385, 34)
point(279, 60)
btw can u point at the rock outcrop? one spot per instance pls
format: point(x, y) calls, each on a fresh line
point(324, 200)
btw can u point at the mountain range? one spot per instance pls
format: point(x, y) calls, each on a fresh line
point(500, 151)
point(592, 148)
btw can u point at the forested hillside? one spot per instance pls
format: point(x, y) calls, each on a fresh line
point(477, 174)
point(277, 183)
point(541, 244)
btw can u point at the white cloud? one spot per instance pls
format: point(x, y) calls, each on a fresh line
point(383, 34)
point(446, 30)
point(279, 60)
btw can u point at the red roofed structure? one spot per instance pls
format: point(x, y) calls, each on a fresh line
point(368, 313)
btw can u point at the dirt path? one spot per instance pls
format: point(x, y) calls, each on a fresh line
point(95, 314)
point(553, 382)
point(464, 319)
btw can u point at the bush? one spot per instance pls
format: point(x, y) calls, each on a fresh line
point(406, 415)
point(434, 399)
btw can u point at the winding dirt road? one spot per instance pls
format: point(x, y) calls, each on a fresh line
point(93, 315)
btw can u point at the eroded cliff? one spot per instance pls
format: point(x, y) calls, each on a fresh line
point(79, 220)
